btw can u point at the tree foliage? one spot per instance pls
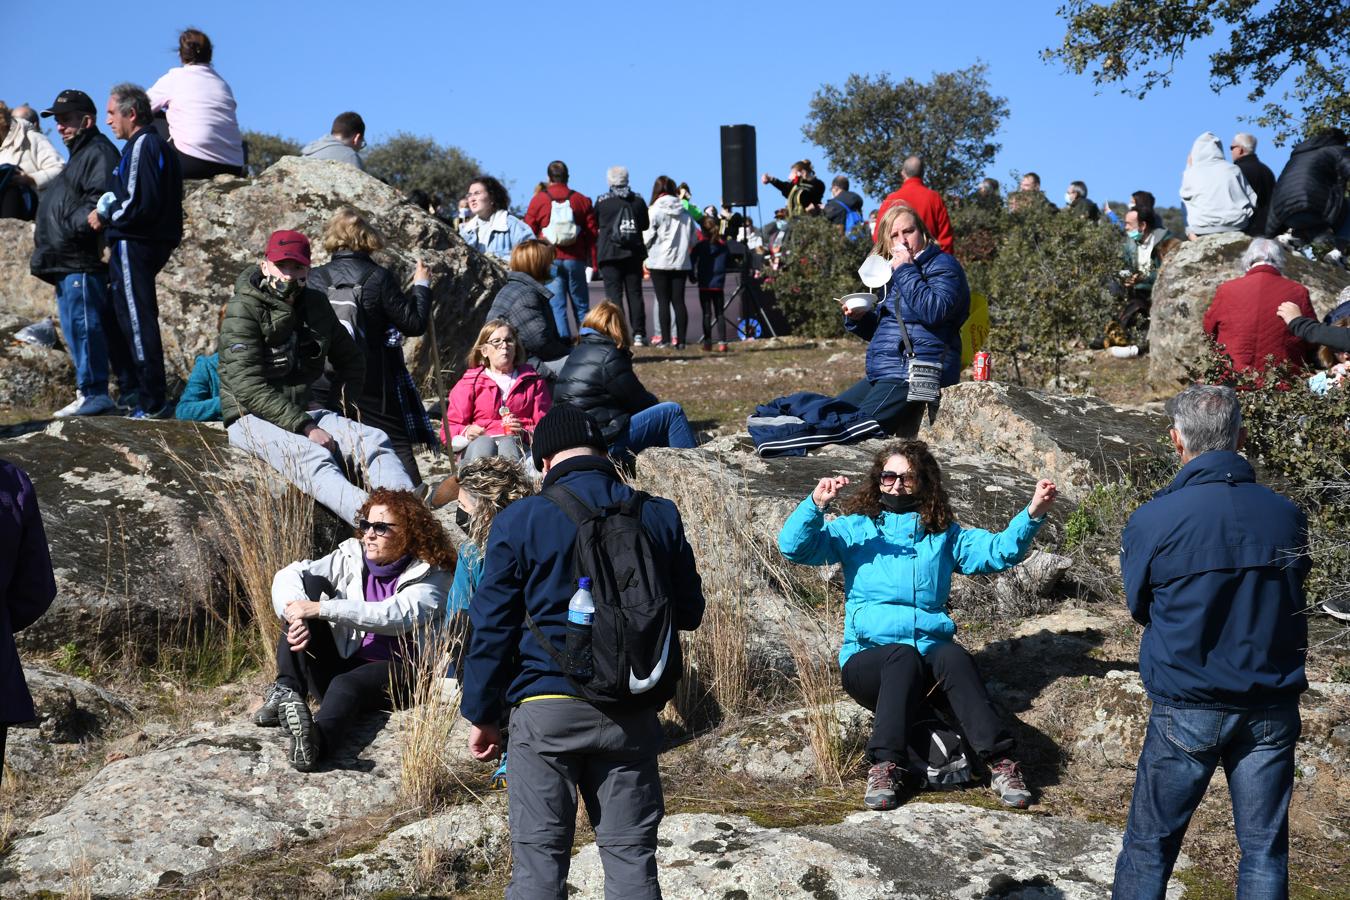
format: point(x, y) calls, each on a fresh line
point(409, 163)
point(265, 149)
point(818, 265)
point(1138, 44)
point(870, 125)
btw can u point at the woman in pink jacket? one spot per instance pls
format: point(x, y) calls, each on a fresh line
point(494, 407)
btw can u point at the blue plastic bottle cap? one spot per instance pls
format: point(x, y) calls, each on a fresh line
point(584, 584)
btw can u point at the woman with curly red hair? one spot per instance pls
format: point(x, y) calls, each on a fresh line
point(899, 543)
point(355, 622)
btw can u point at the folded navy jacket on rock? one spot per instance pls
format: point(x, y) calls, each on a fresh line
point(792, 425)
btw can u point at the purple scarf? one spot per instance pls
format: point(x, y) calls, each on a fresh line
point(381, 580)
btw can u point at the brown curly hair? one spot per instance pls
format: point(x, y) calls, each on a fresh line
point(421, 535)
point(935, 508)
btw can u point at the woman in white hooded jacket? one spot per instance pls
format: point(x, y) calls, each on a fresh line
point(356, 622)
point(1215, 193)
point(35, 162)
point(669, 240)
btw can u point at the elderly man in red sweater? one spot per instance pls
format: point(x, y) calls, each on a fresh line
point(923, 200)
point(1242, 318)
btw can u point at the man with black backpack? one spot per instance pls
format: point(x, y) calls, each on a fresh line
point(621, 217)
point(584, 696)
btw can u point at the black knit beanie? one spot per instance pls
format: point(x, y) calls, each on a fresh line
point(565, 427)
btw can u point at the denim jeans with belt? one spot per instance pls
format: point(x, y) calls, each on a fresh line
point(1182, 749)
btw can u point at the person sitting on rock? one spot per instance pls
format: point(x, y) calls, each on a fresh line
point(200, 111)
point(1334, 337)
point(1214, 191)
point(28, 162)
point(493, 408)
point(343, 143)
point(525, 303)
point(599, 379)
point(200, 400)
point(275, 339)
point(899, 543)
point(1242, 318)
point(355, 622)
point(1309, 199)
point(1147, 244)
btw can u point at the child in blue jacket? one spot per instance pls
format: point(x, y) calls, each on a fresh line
point(709, 270)
point(201, 398)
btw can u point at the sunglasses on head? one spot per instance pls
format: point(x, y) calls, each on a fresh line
point(909, 479)
point(381, 529)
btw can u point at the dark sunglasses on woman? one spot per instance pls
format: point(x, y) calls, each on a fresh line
point(381, 529)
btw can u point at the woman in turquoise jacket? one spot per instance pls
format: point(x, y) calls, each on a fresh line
point(899, 543)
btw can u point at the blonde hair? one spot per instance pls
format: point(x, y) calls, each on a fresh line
point(477, 357)
point(883, 245)
point(608, 319)
point(349, 230)
point(533, 257)
point(495, 482)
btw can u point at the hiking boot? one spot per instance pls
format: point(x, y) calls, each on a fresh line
point(881, 787)
point(275, 695)
point(93, 405)
point(639, 340)
point(1006, 781)
point(1337, 609)
point(444, 493)
point(295, 717)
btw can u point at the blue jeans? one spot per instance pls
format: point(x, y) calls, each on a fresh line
point(82, 305)
point(662, 425)
point(1181, 750)
point(569, 282)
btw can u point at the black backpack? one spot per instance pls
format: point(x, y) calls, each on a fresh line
point(635, 649)
point(623, 231)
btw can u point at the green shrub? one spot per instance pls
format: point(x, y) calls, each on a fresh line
point(265, 149)
point(818, 265)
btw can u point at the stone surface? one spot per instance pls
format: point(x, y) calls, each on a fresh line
point(21, 295)
point(919, 851)
point(207, 800)
point(778, 746)
point(1114, 735)
point(1185, 288)
point(71, 714)
point(33, 379)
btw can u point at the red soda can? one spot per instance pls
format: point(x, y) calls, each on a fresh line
point(980, 366)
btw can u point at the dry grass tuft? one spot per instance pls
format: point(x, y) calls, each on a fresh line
point(814, 656)
point(426, 777)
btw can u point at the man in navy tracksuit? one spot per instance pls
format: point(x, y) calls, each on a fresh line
point(143, 215)
point(1214, 567)
point(559, 742)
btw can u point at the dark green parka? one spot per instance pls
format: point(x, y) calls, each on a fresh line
point(272, 350)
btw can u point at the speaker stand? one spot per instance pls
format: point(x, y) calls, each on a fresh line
point(747, 287)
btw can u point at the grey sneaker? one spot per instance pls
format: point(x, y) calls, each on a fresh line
point(273, 697)
point(92, 405)
point(881, 787)
point(295, 717)
point(1339, 609)
point(1006, 781)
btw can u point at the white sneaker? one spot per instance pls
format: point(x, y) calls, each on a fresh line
point(85, 406)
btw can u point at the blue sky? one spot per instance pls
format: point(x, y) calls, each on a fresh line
point(646, 85)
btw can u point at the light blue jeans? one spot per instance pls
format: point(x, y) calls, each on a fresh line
point(569, 283)
point(81, 304)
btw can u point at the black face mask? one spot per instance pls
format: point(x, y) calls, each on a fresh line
point(462, 519)
point(898, 503)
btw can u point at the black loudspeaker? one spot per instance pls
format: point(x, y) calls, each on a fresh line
point(740, 184)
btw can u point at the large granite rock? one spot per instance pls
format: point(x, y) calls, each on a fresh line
point(209, 799)
point(131, 536)
point(919, 851)
point(778, 746)
point(21, 294)
point(1185, 288)
point(72, 714)
point(34, 380)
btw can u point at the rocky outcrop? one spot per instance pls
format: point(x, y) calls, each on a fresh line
point(21, 295)
point(71, 714)
point(919, 851)
point(1185, 288)
point(34, 380)
point(778, 747)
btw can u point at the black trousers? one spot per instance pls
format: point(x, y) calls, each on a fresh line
point(668, 285)
point(893, 681)
point(135, 349)
point(193, 167)
point(624, 276)
point(888, 403)
point(345, 688)
point(713, 302)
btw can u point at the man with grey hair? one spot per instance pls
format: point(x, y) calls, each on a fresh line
point(1242, 318)
point(1214, 567)
point(1258, 175)
point(620, 219)
point(1076, 202)
point(141, 216)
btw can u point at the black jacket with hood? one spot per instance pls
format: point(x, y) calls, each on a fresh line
point(63, 242)
point(1311, 190)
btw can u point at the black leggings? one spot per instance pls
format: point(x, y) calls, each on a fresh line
point(713, 302)
point(345, 688)
point(893, 681)
point(624, 276)
point(202, 168)
point(668, 284)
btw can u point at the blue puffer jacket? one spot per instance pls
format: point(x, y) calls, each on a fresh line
point(933, 298)
point(1214, 567)
point(528, 565)
point(897, 576)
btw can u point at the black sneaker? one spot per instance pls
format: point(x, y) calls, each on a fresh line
point(304, 751)
point(273, 697)
point(1337, 609)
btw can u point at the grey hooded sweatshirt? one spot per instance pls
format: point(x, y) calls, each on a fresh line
point(1215, 192)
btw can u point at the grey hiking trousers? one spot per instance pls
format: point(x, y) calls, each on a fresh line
point(558, 746)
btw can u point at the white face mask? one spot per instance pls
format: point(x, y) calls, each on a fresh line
point(875, 272)
point(1068, 199)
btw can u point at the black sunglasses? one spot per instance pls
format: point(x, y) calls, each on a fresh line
point(381, 529)
point(906, 478)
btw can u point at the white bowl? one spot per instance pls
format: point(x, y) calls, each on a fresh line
point(863, 301)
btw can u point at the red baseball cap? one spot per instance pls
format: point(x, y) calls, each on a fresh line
point(288, 245)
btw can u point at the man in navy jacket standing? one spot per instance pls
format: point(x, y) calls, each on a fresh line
point(1214, 567)
point(560, 742)
point(143, 216)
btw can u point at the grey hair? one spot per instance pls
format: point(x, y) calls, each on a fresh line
point(131, 99)
point(913, 167)
point(1245, 141)
point(495, 482)
point(1207, 417)
point(1080, 187)
point(1263, 251)
point(617, 176)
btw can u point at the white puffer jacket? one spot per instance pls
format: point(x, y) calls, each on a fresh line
point(418, 602)
point(671, 235)
point(29, 149)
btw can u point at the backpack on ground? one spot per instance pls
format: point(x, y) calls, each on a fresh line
point(623, 231)
point(937, 757)
point(635, 650)
point(345, 298)
point(561, 229)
